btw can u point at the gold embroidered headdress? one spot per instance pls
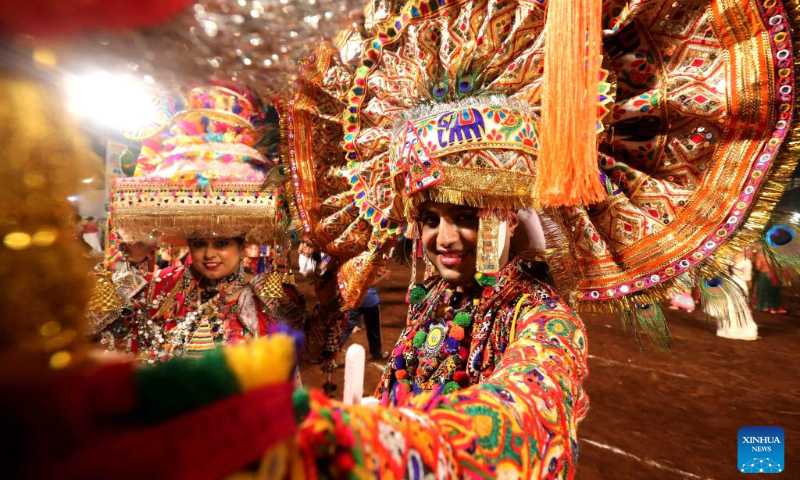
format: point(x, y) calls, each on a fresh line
point(202, 176)
point(467, 102)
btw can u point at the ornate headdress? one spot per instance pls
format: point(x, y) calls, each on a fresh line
point(468, 101)
point(202, 176)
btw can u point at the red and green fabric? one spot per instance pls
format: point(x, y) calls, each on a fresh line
point(198, 418)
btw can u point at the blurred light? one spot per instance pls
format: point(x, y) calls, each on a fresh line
point(60, 360)
point(44, 237)
point(73, 198)
point(87, 180)
point(118, 102)
point(312, 20)
point(50, 329)
point(211, 28)
point(17, 240)
point(44, 57)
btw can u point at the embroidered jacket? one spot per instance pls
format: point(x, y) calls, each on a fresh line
point(517, 419)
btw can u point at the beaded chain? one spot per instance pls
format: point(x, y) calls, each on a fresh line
point(433, 354)
point(453, 338)
point(161, 335)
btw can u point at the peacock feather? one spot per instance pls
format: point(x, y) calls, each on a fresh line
point(722, 298)
point(781, 246)
point(648, 319)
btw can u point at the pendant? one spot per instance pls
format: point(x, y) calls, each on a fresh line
point(434, 341)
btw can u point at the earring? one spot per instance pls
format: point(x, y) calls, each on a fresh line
point(240, 275)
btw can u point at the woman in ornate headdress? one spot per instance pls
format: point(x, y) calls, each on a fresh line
point(205, 185)
point(646, 135)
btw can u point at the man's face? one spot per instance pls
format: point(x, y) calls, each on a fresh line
point(215, 258)
point(450, 238)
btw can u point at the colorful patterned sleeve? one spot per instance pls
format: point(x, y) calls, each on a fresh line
point(521, 423)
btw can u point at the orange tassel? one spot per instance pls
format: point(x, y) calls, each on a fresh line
point(567, 171)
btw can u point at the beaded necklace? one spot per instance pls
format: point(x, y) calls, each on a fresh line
point(433, 354)
point(201, 329)
point(454, 339)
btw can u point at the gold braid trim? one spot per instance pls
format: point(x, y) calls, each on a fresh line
point(483, 188)
point(561, 260)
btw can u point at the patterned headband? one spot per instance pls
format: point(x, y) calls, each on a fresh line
point(484, 123)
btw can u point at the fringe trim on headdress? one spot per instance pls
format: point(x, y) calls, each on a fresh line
point(562, 262)
point(255, 227)
point(474, 187)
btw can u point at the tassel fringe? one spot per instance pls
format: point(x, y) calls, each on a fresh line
point(567, 167)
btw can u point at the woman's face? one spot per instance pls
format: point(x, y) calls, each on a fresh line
point(215, 258)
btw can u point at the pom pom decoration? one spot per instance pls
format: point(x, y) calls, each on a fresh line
point(399, 363)
point(401, 374)
point(419, 339)
point(461, 377)
point(486, 280)
point(462, 352)
point(463, 319)
point(451, 387)
point(127, 162)
point(451, 345)
point(416, 294)
point(302, 404)
point(457, 333)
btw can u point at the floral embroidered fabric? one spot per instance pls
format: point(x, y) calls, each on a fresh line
point(520, 421)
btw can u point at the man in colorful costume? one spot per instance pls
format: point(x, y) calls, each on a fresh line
point(201, 181)
point(484, 430)
point(642, 164)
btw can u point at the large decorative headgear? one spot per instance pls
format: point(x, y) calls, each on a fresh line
point(202, 176)
point(468, 101)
